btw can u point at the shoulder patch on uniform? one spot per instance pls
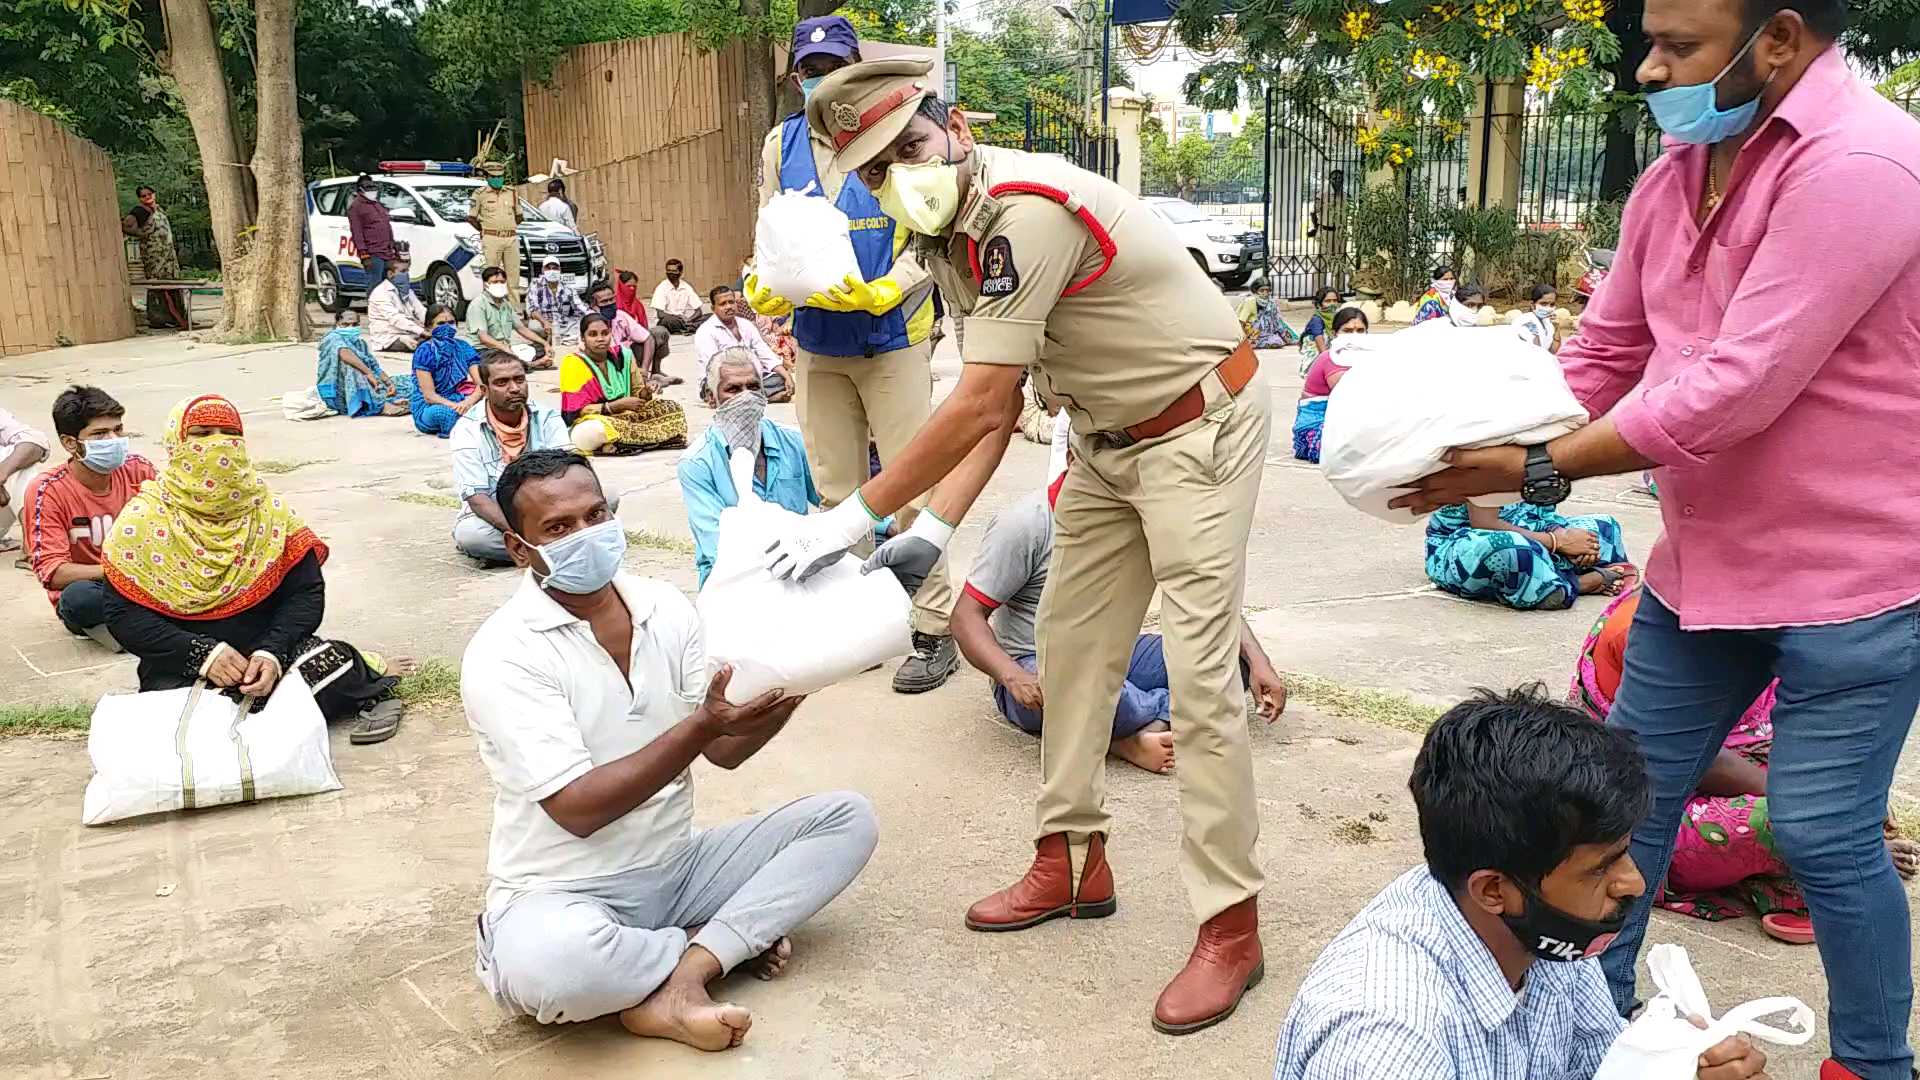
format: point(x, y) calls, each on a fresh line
point(998, 275)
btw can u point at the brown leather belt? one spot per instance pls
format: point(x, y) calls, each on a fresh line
point(1235, 372)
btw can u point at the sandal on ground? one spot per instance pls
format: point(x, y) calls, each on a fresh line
point(1618, 578)
point(1788, 927)
point(376, 723)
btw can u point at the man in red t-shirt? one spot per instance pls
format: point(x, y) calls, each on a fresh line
point(70, 508)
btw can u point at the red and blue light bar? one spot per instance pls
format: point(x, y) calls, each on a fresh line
point(434, 168)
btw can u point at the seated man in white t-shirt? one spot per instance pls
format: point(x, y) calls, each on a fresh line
point(589, 699)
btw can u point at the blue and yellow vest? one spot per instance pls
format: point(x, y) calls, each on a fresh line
point(875, 242)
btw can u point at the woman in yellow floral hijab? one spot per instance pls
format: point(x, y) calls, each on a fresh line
point(210, 575)
point(207, 538)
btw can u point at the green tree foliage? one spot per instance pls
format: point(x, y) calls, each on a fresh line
point(474, 43)
point(87, 68)
point(1413, 58)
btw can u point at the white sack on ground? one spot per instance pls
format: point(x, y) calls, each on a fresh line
point(1413, 395)
point(786, 635)
point(181, 749)
point(801, 246)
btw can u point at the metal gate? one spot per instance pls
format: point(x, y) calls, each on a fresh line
point(1315, 165)
point(1051, 125)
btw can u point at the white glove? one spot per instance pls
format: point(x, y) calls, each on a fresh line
point(912, 555)
point(819, 540)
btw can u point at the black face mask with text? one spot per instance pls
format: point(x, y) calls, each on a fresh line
point(1554, 935)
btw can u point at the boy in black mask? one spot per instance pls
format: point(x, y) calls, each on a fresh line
point(1481, 964)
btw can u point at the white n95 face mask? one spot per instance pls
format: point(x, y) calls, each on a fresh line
point(923, 196)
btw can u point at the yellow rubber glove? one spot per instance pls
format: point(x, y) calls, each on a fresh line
point(763, 301)
point(876, 297)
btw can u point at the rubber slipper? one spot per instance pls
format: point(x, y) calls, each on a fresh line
point(377, 722)
point(1790, 928)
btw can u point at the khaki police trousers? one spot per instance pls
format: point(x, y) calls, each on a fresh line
point(1173, 512)
point(503, 252)
point(840, 399)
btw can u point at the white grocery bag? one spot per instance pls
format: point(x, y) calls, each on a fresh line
point(793, 636)
point(801, 246)
point(180, 749)
point(1413, 395)
point(1662, 1045)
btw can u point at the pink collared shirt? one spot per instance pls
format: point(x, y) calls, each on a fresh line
point(1770, 363)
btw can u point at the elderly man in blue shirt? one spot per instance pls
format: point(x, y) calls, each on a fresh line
point(780, 472)
point(1483, 964)
point(485, 441)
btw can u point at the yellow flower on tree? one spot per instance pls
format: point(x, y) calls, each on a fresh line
point(1357, 24)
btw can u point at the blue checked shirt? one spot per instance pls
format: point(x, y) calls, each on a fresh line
point(1409, 991)
point(477, 458)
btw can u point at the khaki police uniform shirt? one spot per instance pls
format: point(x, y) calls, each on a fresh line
point(907, 269)
point(496, 209)
point(1119, 351)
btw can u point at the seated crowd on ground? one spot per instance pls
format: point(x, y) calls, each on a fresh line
point(602, 897)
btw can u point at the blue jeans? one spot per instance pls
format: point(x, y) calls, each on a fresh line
point(1846, 699)
point(82, 606)
point(376, 270)
point(1143, 697)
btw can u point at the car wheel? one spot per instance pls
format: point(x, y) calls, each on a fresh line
point(327, 285)
point(443, 287)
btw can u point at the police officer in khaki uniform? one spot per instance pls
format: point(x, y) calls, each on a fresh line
point(866, 354)
point(495, 211)
point(1062, 270)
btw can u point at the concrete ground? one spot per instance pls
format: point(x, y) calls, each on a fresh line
point(331, 936)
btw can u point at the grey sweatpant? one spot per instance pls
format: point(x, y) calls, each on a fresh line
point(598, 947)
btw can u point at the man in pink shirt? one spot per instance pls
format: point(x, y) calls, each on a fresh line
point(1755, 343)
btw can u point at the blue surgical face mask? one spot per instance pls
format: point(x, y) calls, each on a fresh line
point(350, 331)
point(584, 562)
point(401, 282)
point(1691, 114)
point(104, 455)
point(808, 86)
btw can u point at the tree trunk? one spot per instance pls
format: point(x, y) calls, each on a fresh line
point(193, 59)
point(762, 80)
point(1621, 164)
point(266, 291)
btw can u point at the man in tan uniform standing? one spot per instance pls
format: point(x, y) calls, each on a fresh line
point(1064, 271)
point(866, 357)
point(495, 211)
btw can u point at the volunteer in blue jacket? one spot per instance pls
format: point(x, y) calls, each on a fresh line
point(866, 356)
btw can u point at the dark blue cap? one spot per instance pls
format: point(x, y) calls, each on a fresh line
point(829, 34)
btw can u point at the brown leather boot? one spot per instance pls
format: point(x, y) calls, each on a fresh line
point(1048, 892)
point(1226, 963)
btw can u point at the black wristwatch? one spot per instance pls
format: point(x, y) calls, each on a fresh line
point(1544, 486)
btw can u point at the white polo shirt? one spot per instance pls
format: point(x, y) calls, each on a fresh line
point(547, 704)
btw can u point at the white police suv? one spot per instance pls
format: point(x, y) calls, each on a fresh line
point(427, 202)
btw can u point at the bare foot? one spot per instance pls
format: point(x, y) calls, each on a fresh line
point(682, 1011)
point(772, 963)
point(1906, 856)
point(1149, 750)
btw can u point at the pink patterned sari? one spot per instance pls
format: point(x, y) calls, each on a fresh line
point(1724, 860)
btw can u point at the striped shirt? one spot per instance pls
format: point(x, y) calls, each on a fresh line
point(1408, 990)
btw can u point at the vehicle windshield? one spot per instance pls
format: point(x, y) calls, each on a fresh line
point(1180, 211)
point(452, 202)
